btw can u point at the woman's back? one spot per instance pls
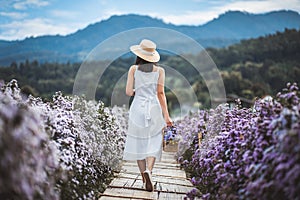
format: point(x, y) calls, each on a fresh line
point(146, 82)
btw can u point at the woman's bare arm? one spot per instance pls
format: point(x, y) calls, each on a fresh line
point(162, 97)
point(130, 82)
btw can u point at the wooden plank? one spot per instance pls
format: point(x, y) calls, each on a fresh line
point(129, 176)
point(129, 193)
point(171, 188)
point(170, 173)
point(173, 181)
point(173, 196)
point(137, 181)
point(159, 175)
point(122, 182)
point(157, 171)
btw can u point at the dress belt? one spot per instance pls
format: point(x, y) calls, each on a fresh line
point(147, 104)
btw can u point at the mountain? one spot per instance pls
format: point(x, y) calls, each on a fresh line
point(227, 29)
point(243, 25)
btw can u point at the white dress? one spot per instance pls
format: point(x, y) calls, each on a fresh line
point(144, 135)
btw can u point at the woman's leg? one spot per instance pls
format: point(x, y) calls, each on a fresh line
point(150, 163)
point(142, 167)
point(147, 174)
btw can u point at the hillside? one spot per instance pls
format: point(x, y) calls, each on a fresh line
point(225, 30)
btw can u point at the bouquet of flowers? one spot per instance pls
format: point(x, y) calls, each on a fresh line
point(170, 134)
point(170, 139)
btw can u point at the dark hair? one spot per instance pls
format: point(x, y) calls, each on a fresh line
point(144, 65)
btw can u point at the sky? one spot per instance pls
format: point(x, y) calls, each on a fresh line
point(25, 18)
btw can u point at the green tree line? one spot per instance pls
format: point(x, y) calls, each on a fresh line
point(261, 66)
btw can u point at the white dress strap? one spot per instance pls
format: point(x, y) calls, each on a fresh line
point(136, 68)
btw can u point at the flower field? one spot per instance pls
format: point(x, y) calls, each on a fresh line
point(245, 153)
point(69, 148)
point(65, 149)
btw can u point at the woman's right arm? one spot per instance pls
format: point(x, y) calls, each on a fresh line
point(130, 82)
point(162, 97)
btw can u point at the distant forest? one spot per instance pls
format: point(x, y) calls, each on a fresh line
point(252, 68)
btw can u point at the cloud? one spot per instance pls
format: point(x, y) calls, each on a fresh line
point(64, 14)
point(23, 5)
point(34, 27)
point(14, 15)
point(103, 2)
point(189, 17)
point(112, 11)
point(212, 1)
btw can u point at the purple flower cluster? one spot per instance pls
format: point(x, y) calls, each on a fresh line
point(187, 130)
point(170, 134)
point(252, 154)
point(67, 148)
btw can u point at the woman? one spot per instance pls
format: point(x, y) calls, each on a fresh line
point(148, 113)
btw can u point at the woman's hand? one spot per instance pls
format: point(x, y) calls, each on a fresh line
point(169, 121)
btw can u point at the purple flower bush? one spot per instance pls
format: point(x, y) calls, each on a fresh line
point(81, 146)
point(277, 174)
point(247, 153)
point(198, 124)
point(187, 131)
point(29, 166)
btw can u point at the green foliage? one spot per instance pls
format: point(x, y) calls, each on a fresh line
point(279, 47)
point(261, 66)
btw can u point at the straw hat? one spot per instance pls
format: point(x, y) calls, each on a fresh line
point(146, 50)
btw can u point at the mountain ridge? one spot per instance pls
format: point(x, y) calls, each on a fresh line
point(230, 27)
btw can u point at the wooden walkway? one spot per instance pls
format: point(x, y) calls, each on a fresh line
point(169, 182)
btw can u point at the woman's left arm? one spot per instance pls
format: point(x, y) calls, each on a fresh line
point(130, 82)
